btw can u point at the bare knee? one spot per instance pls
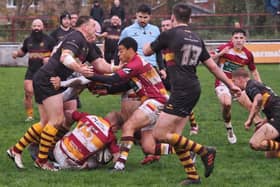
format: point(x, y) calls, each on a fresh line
point(254, 145)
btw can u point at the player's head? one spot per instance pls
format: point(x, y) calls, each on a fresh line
point(127, 49)
point(143, 15)
point(37, 27)
point(238, 38)
point(240, 77)
point(65, 19)
point(87, 26)
point(181, 12)
point(166, 25)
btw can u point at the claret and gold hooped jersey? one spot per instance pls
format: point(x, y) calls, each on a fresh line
point(92, 134)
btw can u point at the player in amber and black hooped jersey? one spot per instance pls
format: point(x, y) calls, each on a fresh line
point(266, 135)
point(187, 51)
point(64, 28)
point(38, 46)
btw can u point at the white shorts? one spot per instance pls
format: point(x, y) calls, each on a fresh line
point(152, 108)
point(222, 89)
point(62, 159)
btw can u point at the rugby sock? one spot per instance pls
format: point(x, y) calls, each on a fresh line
point(181, 142)
point(228, 125)
point(186, 161)
point(29, 112)
point(164, 149)
point(31, 135)
point(47, 138)
point(126, 144)
point(272, 145)
point(192, 120)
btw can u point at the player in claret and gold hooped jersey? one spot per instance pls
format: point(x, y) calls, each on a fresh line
point(92, 134)
point(230, 57)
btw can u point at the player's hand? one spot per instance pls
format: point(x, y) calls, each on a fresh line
point(86, 70)
point(55, 82)
point(116, 156)
point(247, 124)
point(235, 91)
point(14, 54)
point(163, 74)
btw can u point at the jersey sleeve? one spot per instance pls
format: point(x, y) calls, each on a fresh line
point(160, 43)
point(251, 61)
point(72, 43)
point(252, 89)
point(24, 46)
point(94, 52)
point(204, 53)
point(113, 146)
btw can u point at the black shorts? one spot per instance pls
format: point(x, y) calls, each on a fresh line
point(274, 114)
point(43, 88)
point(29, 74)
point(181, 103)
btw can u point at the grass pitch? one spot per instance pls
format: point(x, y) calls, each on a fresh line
point(236, 165)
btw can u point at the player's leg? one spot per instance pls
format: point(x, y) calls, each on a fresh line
point(28, 104)
point(146, 114)
point(194, 126)
point(53, 106)
point(225, 99)
point(263, 138)
point(32, 135)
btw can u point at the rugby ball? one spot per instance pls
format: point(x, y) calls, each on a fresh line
point(104, 156)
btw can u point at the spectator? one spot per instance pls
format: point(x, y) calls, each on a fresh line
point(111, 33)
point(118, 10)
point(97, 12)
point(73, 20)
point(64, 28)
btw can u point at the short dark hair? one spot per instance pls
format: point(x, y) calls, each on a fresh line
point(240, 72)
point(129, 42)
point(144, 8)
point(182, 12)
point(63, 15)
point(235, 31)
point(82, 19)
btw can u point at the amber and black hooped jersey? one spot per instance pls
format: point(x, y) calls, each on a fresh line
point(59, 34)
point(254, 87)
point(37, 50)
point(185, 51)
point(82, 51)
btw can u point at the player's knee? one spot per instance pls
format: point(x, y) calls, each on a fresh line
point(254, 145)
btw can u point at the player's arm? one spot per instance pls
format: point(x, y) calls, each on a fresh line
point(256, 106)
point(256, 75)
point(108, 79)
point(102, 66)
point(18, 53)
point(67, 58)
point(217, 72)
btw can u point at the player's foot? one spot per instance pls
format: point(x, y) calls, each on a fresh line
point(190, 181)
point(193, 156)
point(208, 160)
point(29, 119)
point(16, 157)
point(194, 130)
point(150, 159)
point(231, 136)
point(45, 165)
